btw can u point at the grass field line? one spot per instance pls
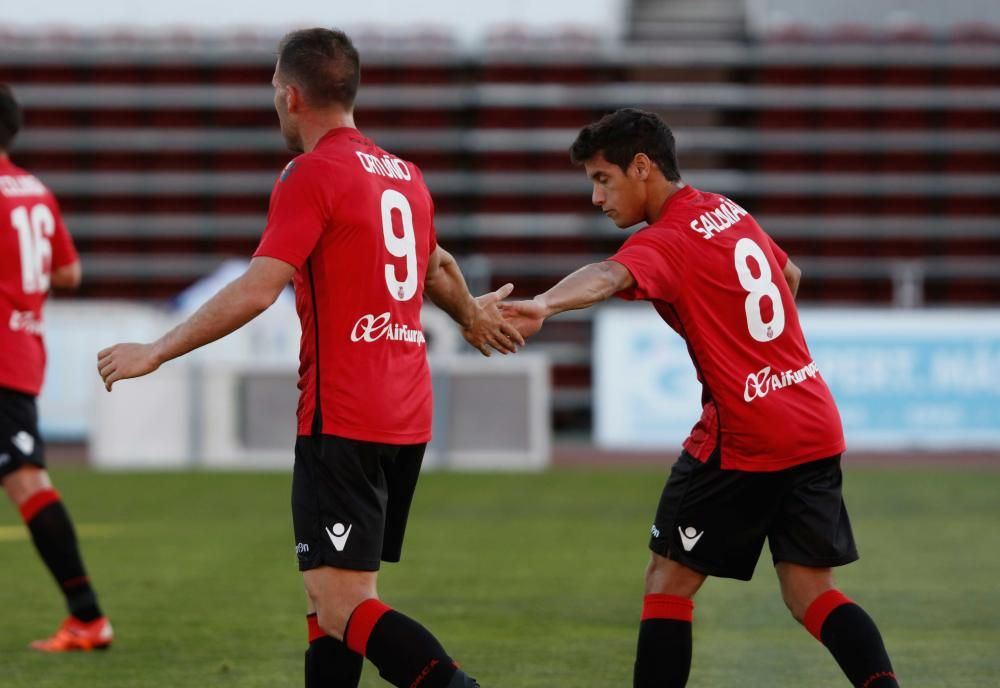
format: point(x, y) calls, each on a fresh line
point(19, 532)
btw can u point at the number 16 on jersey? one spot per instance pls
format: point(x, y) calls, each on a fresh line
point(34, 229)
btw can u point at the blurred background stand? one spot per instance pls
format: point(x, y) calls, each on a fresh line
point(862, 135)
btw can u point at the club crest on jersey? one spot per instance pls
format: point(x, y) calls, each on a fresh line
point(288, 170)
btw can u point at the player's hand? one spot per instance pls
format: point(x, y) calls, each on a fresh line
point(123, 361)
point(488, 327)
point(526, 317)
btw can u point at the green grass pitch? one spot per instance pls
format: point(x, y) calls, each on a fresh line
point(528, 580)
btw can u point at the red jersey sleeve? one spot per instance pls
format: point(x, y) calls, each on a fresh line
point(63, 251)
point(296, 216)
point(779, 254)
point(652, 261)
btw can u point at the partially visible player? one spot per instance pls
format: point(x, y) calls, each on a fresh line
point(36, 252)
point(352, 226)
point(764, 460)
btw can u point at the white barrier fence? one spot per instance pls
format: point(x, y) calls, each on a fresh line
point(232, 404)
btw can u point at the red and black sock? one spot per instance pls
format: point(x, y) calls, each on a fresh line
point(54, 538)
point(663, 658)
point(852, 638)
point(405, 653)
point(329, 662)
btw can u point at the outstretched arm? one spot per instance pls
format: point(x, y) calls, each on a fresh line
point(231, 308)
point(587, 286)
point(482, 324)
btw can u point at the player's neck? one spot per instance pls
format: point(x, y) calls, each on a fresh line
point(659, 194)
point(315, 129)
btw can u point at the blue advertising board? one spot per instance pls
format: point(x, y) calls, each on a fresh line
point(902, 379)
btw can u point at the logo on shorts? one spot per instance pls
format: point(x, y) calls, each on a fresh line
point(654, 531)
point(689, 537)
point(301, 548)
point(24, 442)
point(339, 535)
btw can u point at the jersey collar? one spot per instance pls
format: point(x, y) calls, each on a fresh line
point(687, 191)
point(338, 132)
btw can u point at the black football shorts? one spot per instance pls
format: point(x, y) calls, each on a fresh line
point(20, 443)
point(350, 500)
point(715, 521)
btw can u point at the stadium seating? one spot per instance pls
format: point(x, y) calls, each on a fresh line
point(876, 166)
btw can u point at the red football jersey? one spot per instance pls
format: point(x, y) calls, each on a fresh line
point(357, 223)
point(33, 242)
point(716, 278)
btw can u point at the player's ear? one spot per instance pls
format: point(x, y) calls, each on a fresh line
point(641, 164)
point(293, 98)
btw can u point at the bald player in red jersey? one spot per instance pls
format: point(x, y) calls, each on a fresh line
point(763, 462)
point(351, 226)
point(36, 252)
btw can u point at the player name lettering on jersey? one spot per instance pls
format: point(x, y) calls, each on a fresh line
point(718, 220)
point(386, 166)
point(20, 186)
point(759, 384)
point(371, 328)
point(25, 321)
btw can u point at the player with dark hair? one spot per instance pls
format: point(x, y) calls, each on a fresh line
point(36, 252)
point(351, 225)
point(763, 462)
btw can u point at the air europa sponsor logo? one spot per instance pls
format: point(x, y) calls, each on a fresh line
point(25, 321)
point(371, 328)
point(715, 221)
point(761, 383)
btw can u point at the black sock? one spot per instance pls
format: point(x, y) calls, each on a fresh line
point(54, 538)
point(852, 638)
point(405, 653)
point(328, 662)
point(663, 657)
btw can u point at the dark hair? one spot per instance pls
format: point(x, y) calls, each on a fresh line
point(10, 116)
point(622, 134)
point(322, 62)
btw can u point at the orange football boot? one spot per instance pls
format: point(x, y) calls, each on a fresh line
point(76, 635)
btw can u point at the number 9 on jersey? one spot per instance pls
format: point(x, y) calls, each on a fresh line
point(399, 246)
